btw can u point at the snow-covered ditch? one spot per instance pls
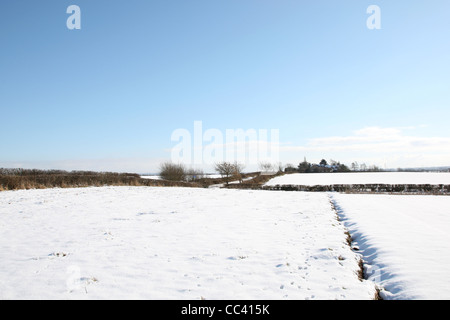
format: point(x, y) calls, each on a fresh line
point(174, 243)
point(405, 241)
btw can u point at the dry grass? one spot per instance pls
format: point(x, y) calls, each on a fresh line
point(348, 239)
point(16, 179)
point(377, 295)
point(256, 182)
point(361, 269)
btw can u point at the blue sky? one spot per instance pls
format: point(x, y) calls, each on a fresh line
point(109, 96)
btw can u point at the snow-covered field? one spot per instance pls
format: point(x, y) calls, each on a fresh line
point(174, 243)
point(183, 243)
point(404, 239)
point(157, 177)
point(315, 179)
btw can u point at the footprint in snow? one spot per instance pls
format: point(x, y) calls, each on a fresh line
point(237, 258)
point(58, 254)
point(88, 280)
point(146, 213)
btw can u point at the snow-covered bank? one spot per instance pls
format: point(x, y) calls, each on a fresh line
point(404, 239)
point(154, 177)
point(314, 179)
point(173, 243)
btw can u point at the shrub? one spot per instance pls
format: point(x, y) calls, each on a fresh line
point(194, 175)
point(172, 172)
point(13, 179)
point(230, 170)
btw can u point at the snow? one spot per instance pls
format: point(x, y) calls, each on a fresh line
point(183, 243)
point(313, 179)
point(174, 243)
point(213, 176)
point(404, 239)
point(157, 177)
point(154, 177)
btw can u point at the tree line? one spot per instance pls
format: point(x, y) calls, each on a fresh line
point(178, 172)
point(325, 166)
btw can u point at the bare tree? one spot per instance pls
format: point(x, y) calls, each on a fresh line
point(265, 167)
point(172, 172)
point(225, 169)
point(194, 174)
point(229, 170)
point(363, 167)
point(355, 166)
point(238, 170)
point(279, 167)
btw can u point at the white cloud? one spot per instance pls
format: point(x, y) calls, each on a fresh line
point(391, 147)
point(380, 145)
